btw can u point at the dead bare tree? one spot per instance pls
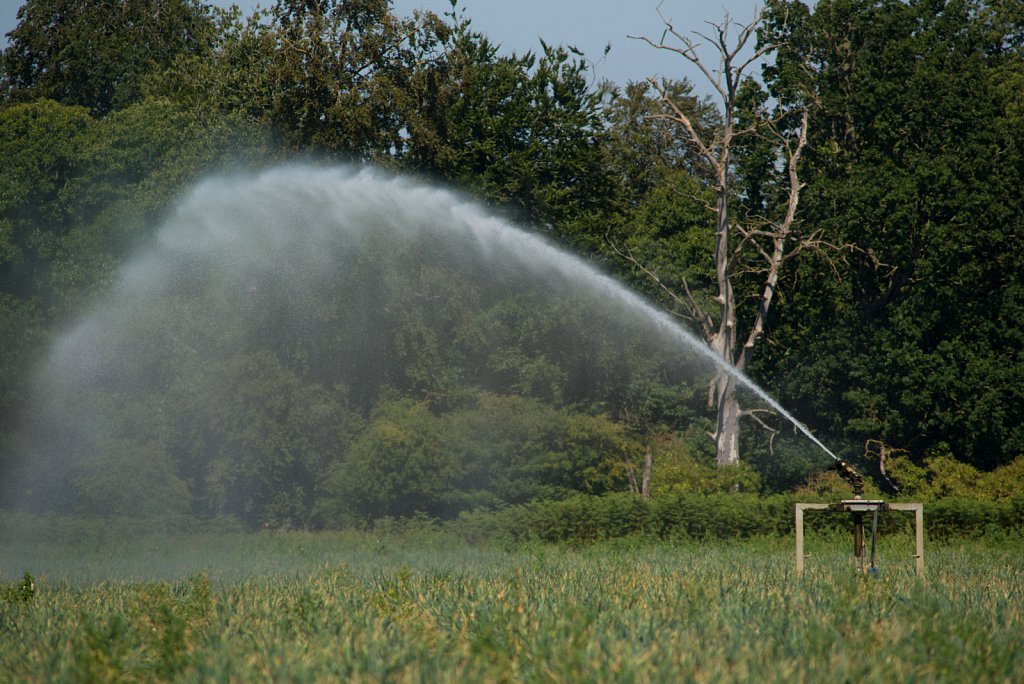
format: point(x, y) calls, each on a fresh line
point(756, 245)
point(643, 488)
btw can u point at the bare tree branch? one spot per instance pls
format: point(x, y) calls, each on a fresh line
point(753, 246)
point(695, 312)
point(678, 116)
point(782, 233)
point(772, 431)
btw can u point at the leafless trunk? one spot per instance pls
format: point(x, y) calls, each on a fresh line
point(643, 488)
point(633, 486)
point(764, 241)
point(727, 427)
point(645, 482)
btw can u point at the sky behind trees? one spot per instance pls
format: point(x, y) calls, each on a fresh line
point(588, 25)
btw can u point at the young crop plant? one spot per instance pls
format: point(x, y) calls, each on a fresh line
point(425, 606)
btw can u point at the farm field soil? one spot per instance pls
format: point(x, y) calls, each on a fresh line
point(426, 607)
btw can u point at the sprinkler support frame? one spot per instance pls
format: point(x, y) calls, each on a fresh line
point(858, 507)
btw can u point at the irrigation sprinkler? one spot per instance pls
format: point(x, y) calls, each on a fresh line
point(859, 507)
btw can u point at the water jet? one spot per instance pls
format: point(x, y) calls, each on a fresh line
point(313, 286)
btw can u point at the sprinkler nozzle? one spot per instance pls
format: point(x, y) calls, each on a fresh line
point(847, 472)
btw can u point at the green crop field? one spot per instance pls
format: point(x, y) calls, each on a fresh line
point(411, 607)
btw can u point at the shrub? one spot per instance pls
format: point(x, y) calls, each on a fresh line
point(24, 591)
point(682, 516)
point(940, 476)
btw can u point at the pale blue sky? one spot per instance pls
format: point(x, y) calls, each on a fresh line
point(589, 25)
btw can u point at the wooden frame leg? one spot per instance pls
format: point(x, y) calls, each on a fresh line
point(799, 541)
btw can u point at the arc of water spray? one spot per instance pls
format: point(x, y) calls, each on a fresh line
point(575, 266)
point(356, 195)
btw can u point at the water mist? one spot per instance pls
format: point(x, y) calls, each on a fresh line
point(295, 298)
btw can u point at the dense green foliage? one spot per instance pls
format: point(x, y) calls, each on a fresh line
point(96, 54)
point(906, 328)
point(916, 166)
point(680, 516)
point(415, 607)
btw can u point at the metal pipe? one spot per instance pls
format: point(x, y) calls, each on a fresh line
point(874, 537)
point(858, 541)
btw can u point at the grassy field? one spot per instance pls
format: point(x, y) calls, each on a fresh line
point(426, 607)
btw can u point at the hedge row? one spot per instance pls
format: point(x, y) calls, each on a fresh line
point(584, 519)
point(716, 516)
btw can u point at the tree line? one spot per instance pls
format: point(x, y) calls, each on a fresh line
point(901, 321)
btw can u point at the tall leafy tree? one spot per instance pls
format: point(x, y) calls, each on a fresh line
point(95, 53)
point(332, 70)
point(430, 94)
point(916, 168)
point(525, 130)
point(78, 194)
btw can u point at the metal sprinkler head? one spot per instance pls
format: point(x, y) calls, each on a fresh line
point(847, 472)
